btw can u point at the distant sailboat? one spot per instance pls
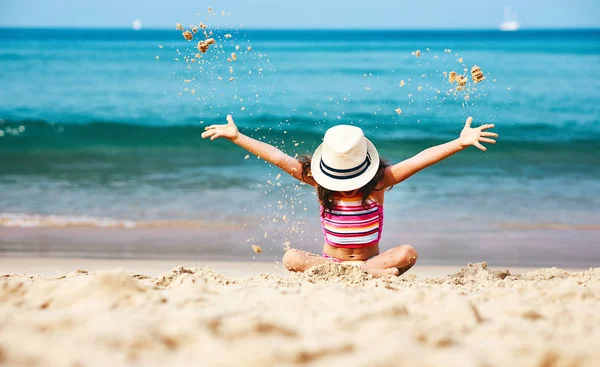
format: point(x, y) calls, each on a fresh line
point(511, 20)
point(136, 25)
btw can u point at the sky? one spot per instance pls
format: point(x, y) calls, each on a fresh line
point(371, 14)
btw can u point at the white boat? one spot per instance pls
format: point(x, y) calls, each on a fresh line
point(136, 25)
point(511, 20)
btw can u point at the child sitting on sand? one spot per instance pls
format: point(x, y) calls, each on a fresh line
point(351, 181)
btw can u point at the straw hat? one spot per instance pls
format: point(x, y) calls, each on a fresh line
point(346, 160)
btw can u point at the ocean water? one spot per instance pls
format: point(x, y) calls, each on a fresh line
point(101, 129)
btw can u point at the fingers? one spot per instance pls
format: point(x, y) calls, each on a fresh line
point(230, 119)
point(479, 146)
point(210, 127)
point(490, 134)
point(469, 120)
point(485, 127)
point(217, 135)
point(208, 133)
point(486, 140)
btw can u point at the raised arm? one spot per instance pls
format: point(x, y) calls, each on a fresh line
point(468, 136)
point(262, 150)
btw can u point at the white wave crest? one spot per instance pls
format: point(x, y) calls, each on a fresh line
point(49, 221)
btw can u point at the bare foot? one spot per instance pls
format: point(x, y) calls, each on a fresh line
point(376, 273)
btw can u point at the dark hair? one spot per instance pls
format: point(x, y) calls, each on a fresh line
point(325, 195)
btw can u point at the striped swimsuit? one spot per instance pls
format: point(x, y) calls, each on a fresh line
point(350, 224)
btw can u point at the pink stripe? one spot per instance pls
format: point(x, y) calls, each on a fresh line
point(353, 208)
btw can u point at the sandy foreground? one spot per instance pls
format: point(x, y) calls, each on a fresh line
point(329, 316)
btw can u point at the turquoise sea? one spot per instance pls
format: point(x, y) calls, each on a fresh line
point(100, 141)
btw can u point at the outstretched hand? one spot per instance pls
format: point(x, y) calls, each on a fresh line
point(476, 136)
point(228, 131)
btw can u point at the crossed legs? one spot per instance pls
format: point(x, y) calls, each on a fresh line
point(394, 261)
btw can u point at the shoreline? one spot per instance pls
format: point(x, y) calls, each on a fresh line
point(573, 249)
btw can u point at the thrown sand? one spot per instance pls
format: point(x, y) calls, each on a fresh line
point(331, 315)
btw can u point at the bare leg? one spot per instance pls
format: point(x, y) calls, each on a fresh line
point(394, 261)
point(298, 260)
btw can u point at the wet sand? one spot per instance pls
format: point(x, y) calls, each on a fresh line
point(572, 247)
point(331, 315)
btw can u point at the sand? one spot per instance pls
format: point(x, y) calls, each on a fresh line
point(329, 316)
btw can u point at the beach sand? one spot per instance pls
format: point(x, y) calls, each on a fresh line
point(329, 316)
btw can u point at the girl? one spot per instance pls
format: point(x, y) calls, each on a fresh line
point(351, 181)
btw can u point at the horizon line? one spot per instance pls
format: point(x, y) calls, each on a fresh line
point(305, 29)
